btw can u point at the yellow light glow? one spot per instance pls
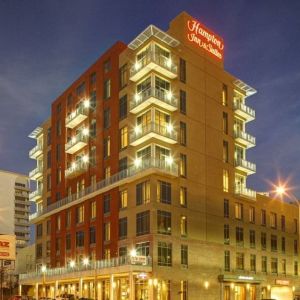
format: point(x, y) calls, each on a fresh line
point(206, 284)
point(73, 165)
point(72, 263)
point(85, 261)
point(137, 97)
point(155, 282)
point(73, 114)
point(169, 160)
point(138, 162)
point(86, 103)
point(43, 269)
point(248, 286)
point(169, 63)
point(280, 190)
point(85, 131)
point(73, 139)
point(232, 285)
point(133, 252)
point(169, 95)
point(114, 285)
point(85, 158)
point(85, 286)
point(169, 127)
point(137, 129)
point(293, 289)
point(150, 281)
point(137, 65)
point(268, 287)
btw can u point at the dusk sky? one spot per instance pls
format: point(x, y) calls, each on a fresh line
point(46, 44)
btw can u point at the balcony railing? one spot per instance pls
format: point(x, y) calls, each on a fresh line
point(245, 192)
point(244, 138)
point(152, 130)
point(244, 111)
point(245, 166)
point(153, 60)
point(76, 143)
point(36, 173)
point(35, 152)
point(157, 165)
point(76, 169)
point(135, 262)
point(160, 97)
point(77, 116)
point(33, 196)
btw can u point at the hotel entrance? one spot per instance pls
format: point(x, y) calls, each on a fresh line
point(239, 292)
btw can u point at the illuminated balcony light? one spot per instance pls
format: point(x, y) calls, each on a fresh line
point(206, 284)
point(85, 158)
point(169, 95)
point(133, 252)
point(73, 114)
point(137, 129)
point(137, 65)
point(72, 263)
point(169, 160)
point(137, 162)
point(85, 286)
point(86, 103)
point(169, 63)
point(114, 285)
point(43, 269)
point(155, 282)
point(169, 128)
point(85, 131)
point(150, 281)
point(137, 97)
point(73, 165)
point(73, 140)
point(85, 261)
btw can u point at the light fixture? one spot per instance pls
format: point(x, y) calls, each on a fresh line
point(169, 62)
point(268, 287)
point(150, 281)
point(206, 284)
point(85, 131)
point(73, 114)
point(133, 252)
point(85, 158)
point(169, 160)
point(86, 103)
point(72, 263)
point(85, 261)
point(138, 162)
point(137, 129)
point(232, 285)
point(137, 65)
point(43, 269)
point(169, 128)
point(114, 285)
point(73, 140)
point(73, 165)
point(248, 286)
point(155, 282)
point(85, 286)
point(137, 97)
point(169, 95)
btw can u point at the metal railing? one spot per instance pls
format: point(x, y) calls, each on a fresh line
point(245, 136)
point(35, 149)
point(162, 95)
point(155, 57)
point(36, 193)
point(81, 110)
point(80, 166)
point(92, 266)
point(160, 164)
point(80, 137)
point(242, 190)
point(35, 171)
point(243, 107)
point(245, 164)
point(155, 128)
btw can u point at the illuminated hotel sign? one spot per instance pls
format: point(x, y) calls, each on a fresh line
point(205, 39)
point(245, 278)
point(282, 282)
point(7, 247)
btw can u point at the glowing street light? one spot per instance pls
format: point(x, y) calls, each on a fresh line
point(85, 131)
point(85, 261)
point(133, 252)
point(86, 103)
point(72, 263)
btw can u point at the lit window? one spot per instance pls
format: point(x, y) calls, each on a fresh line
point(225, 181)
point(124, 137)
point(106, 232)
point(239, 211)
point(183, 226)
point(123, 199)
point(93, 209)
point(183, 196)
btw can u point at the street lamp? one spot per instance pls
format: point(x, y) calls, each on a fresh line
point(44, 269)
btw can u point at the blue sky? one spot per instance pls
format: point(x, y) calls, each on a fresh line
point(46, 44)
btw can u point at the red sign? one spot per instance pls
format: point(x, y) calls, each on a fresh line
point(7, 247)
point(205, 39)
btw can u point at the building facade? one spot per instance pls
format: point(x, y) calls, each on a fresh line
point(147, 181)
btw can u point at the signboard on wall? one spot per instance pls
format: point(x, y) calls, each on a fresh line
point(205, 39)
point(7, 247)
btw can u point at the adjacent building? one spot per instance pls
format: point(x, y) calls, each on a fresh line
point(142, 181)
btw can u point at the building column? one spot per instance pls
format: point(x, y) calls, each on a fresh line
point(150, 290)
point(99, 291)
point(36, 291)
point(257, 292)
point(232, 291)
point(20, 290)
point(247, 291)
point(80, 287)
point(56, 288)
point(132, 287)
point(111, 287)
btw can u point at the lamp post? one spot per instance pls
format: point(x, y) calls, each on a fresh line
point(44, 269)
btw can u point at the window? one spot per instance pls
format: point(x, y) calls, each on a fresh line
point(164, 222)
point(123, 251)
point(93, 209)
point(164, 192)
point(283, 223)
point(39, 230)
point(123, 107)
point(49, 159)
point(295, 268)
point(164, 254)
point(58, 127)
point(225, 181)
point(183, 196)
point(283, 244)
point(58, 175)
point(107, 66)
point(93, 99)
point(123, 137)
point(283, 266)
point(106, 145)
point(80, 89)
point(226, 208)
point(183, 290)
point(93, 181)
point(123, 228)
point(48, 136)
point(123, 76)
point(106, 119)
point(226, 234)
point(58, 223)
point(274, 265)
point(143, 193)
point(123, 199)
point(252, 238)
point(295, 226)
point(239, 214)
point(184, 255)
point(225, 122)
point(225, 151)
point(39, 250)
point(93, 128)
point(93, 78)
point(68, 218)
point(273, 242)
point(263, 217)
point(92, 235)
point(183, 226)
point(68, 241)
point(143, 249)
point(182, 101)
point(48, 229)
point(224, 95)
point(143, 223)
point(263, 240)
point(239, 233)
point(273, 220)
point(240, 261)
point(296, 247)
point(182, 70)
point(106, 204)
point(93, 156)
point(227, 260)
point(58, 152)
point(107, 172)
point(252, 214)
point(48, 182)
point(183, 165)
point(79, 239)
point(264, 264)
point(79, 214)
point(107, 253)
point(107, 232)
point(123, 163)
point(107, 89)
point(182, 133)
point(252, 262)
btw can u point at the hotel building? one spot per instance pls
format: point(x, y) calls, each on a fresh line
point(143, 174)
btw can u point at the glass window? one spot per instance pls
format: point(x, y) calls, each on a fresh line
point(92, 235)
point(225, 151)
point(107, 66)
point(263, 240)
point(68, 218)
point(123, 251)
point(93, 209)
point(143, 192)
point(264, 264)
point(182, 101)
point(123, 107)
point(226, 208)
point(93, 78)
point(184, 255)
point(183, 196)
point(106, 119)
point(164, 192)
point(239, 236)
point(295, 268)
point(252, 262)
point(107, 231)
point(295, 247)
point(107, 89)
point(182, 133)
point(143, 223)
point(239, 261)
point(123, 199)
point(274, 265)
point(123, 228)
point(68, 241)
point(183, 226)
point(123, 73)
point(143, 249)
point(164, 222)
point(263, 217)
point(123, 164)
point(93, 128)
point(224, 95)
point(225, 122)
point(252, 214)
point(183, 165)
point(183, 290)
point(226, 234)
point(227, 260)
point(106, 204)
point(107, 172)
point(124, 137)
point(79, 239)
point(283, 244)
point(80, 214)
point(239, 211)
point(164, 254)
point(273, 242)
point(273, 220)
point(225, 181)
point(182, 70)
point(283, 266)
point(283, 223)
point(252, 238)
point(106, 145)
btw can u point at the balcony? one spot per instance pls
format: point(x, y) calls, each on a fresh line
point(142, 134)
point(245, 166)
point(35, 152)
point(136, 171)
point(244, 192)
point(244, 111)
point(76, 143)
point(77, 116)
point(153, 61)
point(244, 138)
point(35, 195)
point(153, 95)
point(36, 173)
point(76, 169)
